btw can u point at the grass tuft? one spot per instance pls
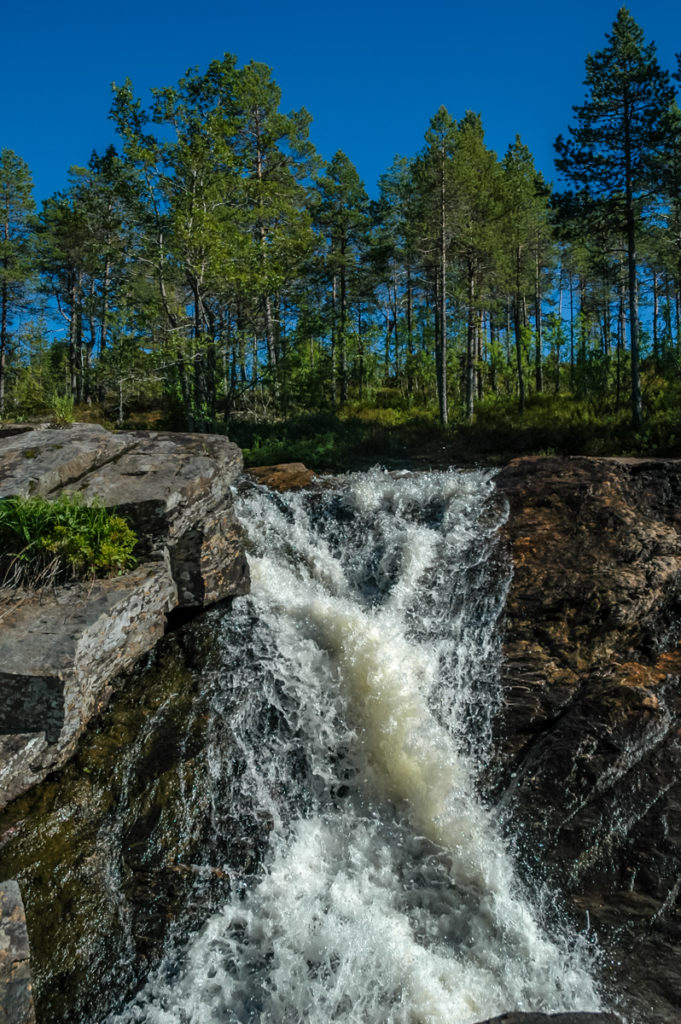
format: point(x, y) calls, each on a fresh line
point(46, 542)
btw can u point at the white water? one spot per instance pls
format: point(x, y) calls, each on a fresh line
point(370, 649)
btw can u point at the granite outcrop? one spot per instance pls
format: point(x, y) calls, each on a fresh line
point(61, 648)
point(587, 759)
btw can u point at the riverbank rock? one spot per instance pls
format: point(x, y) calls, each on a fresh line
point(60, 649)
point(285, 476)
point(141, 835)
point(588, 770)
point(59, 652)
point(16, 994)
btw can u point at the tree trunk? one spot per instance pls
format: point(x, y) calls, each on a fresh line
point(538, 369)
point(4, 337)
point(343, 353)
point(620, 343)
point(334, 341)
point(493, 361)
point(656, 314)
point(517, 314)
point(636, 401)
point(470, 348)
point(479, 364)
point(572, 334)
point(518, 311)
point(441, 341)
point(410, 340)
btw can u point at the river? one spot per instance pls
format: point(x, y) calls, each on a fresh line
point(365, 663)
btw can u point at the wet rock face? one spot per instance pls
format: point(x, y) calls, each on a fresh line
point(128, 846)
point(589, 760)
point(59, 653)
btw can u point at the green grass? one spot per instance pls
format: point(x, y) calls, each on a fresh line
point(334, 442)
point(360, 434)
point(44, 542)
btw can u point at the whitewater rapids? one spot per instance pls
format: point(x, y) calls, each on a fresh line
point(368, 655)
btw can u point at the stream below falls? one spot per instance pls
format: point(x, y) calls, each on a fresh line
point(358, 682)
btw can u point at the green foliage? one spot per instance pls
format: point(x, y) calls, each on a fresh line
point(327, 442)
point(214, 274)
point(43, 542)
point(63, 409)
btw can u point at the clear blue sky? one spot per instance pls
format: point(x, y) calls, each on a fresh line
point(371, 73)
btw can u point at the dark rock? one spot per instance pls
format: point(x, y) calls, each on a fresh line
point(588, 775)
point(126, 848)
point(16, 993)
point(286, 476)
point(59, 652)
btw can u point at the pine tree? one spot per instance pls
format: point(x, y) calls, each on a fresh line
point(526, 229)
point(475, 222)
point(342, 218)
point(614, 156)
point(16, 264)
point(433, 178)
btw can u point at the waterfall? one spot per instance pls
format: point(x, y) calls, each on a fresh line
point(361, 676)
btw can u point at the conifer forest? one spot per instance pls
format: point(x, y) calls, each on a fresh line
point(211, 271)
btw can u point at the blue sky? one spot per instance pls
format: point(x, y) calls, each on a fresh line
point(371, 73)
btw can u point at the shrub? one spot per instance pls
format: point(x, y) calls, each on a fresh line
point(44, 542)
point(63, 409)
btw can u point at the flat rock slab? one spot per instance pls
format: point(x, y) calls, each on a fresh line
point(60, 649)
point(16, 997)
point(285, 476)
point(165, 483)
point(58, 652)
point(44, 461)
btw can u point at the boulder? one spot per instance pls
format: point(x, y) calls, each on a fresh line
point(175, 490)
point(16, 996)
point(588, 758)
point(285, 476)
point(43, 461)
point(59, 651)
point(61, 648)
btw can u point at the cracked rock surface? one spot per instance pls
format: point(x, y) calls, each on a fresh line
point(588, 758)
point(61, 647)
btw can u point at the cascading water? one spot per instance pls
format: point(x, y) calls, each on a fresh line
point(361, 683)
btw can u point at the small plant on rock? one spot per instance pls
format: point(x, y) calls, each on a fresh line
point(45, 542)
point(63, 409)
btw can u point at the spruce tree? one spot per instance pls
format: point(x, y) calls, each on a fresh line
point(614, 155)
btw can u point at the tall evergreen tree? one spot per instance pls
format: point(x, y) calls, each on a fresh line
point(614, 153)
point(526, 223)
point(433, 176)
point(16, 265)
point(475, 219)
point(342, 217)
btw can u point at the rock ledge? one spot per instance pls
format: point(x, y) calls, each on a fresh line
point(61, 649)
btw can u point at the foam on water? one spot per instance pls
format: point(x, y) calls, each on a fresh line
point(387, 894)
